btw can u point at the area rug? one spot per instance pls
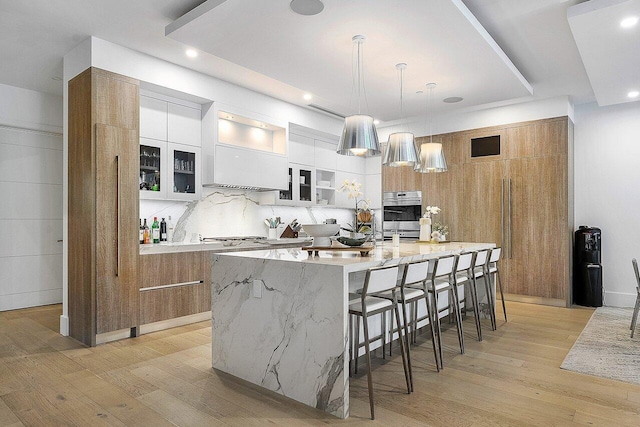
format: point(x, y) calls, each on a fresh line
point(604, 348)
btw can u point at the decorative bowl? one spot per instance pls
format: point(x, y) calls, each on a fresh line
point(351, 242)
point(321, 233)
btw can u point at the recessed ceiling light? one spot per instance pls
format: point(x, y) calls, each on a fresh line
point(452, 99)
point(629, 22)
point(56, 78)
point(307, 96)
point(633, 94)
point(306, 7)
point(191, 53)
point(376, 122)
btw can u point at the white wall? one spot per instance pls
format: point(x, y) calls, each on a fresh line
point(607, 190)
point(31, 195)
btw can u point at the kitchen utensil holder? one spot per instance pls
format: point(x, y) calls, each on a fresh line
point(289, 233)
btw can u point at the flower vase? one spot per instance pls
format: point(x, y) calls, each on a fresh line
point(425, 229)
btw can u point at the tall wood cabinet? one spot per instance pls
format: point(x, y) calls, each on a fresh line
point(103, 204)
point(520, 199)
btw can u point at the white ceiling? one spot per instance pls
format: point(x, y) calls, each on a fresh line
point(611, 53)
point(440, 40)
point(35, 34)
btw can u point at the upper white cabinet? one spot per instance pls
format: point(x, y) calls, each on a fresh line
point(301, 150)
point(170, 140)
point(373, 165)
point(325, 155)
point(184, 125)
point(352, 164)
point(241, 167)
point(153, 118)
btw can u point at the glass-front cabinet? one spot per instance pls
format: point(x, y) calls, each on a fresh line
point(153, 172)
point(185, 178)
point(284, 195)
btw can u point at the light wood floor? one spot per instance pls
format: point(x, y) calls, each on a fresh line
point(512, 378)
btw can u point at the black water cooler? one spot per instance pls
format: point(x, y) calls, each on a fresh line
point(587, 267)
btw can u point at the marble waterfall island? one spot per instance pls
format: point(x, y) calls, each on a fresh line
point(280, 319)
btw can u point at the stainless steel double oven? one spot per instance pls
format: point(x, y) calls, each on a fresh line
point(401, 214)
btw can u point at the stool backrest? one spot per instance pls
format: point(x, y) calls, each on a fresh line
point(495, 254)
point(635, 269)
point(416, 272)
point(445, 265)
point(380, 279)
point(481, 257)
point(465, 259)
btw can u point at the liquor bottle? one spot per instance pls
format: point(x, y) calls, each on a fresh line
point(169, 229)
point(155, 230)
point(147, 234)
point(163, 231)
point(141, 233)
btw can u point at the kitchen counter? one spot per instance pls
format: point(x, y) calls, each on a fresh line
point(216, 247)
point(280, 317)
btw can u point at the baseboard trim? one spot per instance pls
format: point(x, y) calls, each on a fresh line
point(64, 325)
point(619, 299)
point(533, 300)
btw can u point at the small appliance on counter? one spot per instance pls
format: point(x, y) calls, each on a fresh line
point(587, 267)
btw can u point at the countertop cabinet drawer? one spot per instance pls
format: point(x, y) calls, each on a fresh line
point(170, 269)
point(170, 303)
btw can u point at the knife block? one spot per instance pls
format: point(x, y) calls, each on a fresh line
point(289, 233)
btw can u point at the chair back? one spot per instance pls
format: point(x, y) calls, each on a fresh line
point(495, 255)
point(380, 279)
point(444, 265)
point(465, 260)
point(481, 257)
point(635, 269)
point(416, 272)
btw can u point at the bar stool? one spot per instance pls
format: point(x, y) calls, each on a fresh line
point(636, 308)
point(479, 265)
point(414, 274)
point(465, 275)
point(377, 280)
point(493, 269)
point(441, 280)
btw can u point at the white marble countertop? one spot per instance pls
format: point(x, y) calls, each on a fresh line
point(383, 254)
point(166, 248)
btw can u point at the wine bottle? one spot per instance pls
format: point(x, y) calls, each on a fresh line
point(169, 230)
point(141, 233)
point(163, 231)
point(155, 230)
point(147, 234)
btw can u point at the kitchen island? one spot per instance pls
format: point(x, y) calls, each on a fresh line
point(280, 316)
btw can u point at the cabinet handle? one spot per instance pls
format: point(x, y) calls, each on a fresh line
point(510, 224)
point(502, 242)
point(117, 215)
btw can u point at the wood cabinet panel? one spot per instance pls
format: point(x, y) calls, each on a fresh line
point(551, 137)
point(169, 269)
point(521, 142)
point(447, 191)
point(391, 179)
point(169, 303)
point(483, 221)
point(116, 99)
point(538, 250)
point(410, 179)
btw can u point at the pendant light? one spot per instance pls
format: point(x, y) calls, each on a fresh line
point(359, 135)
point(431, 158)
point(401, 148)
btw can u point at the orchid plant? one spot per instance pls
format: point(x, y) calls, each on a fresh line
point(354, 191)
point(426, 218)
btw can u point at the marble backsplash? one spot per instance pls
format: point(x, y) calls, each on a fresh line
point(231, 212)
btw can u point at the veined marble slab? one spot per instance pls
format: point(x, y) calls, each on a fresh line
point(280, 316)
point(166, 248)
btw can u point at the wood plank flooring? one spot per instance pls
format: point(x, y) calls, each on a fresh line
point(512, 378)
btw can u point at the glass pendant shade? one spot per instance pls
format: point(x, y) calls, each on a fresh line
point(359, 137)
point(401, 150)
point(431, 158)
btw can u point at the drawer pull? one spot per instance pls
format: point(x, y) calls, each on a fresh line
point(173, 285)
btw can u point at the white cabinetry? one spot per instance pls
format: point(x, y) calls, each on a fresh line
point(325, 155)
point(352, 164)
point(301, 150)
point(170, 144)
point(184, 125)
point(242, 167)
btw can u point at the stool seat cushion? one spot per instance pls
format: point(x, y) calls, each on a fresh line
point(461, 278)
point(372, 304)
point(409, 293)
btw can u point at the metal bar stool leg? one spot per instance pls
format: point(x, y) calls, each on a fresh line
point(357, 345)
point(406, 341)
point(438, 326)
point(634, 319)
point(453, 291)
point(433, 334)
point(403, 351)
point(476, 307)
point(499, 281)
point(383, 333)
point(368, 358)
point(492, 311)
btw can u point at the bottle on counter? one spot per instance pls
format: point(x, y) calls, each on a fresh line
point(141, 233)
point(155, 230)
point(147, 233)
point(163, 230)
point(169, 229)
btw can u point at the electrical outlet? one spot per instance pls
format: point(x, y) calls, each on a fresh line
point(257, 288)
